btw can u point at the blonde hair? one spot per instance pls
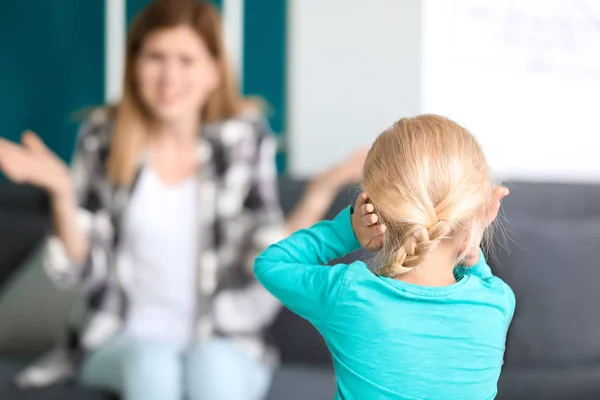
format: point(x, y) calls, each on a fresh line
point(428, 180)
point(132, 119)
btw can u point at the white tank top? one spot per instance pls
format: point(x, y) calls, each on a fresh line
point(160, 233)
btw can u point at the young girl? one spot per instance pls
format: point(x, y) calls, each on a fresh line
point(419, 327)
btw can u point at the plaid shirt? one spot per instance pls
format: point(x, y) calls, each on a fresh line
point(239, 216)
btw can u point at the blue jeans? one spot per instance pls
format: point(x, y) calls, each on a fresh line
point(145, 370)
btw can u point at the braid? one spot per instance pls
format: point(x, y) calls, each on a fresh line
point(420, 242)
point(428, 180)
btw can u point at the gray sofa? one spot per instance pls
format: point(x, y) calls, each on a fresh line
point(550, 261)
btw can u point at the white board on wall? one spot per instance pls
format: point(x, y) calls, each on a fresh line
point(523, 76)
point(353, 69)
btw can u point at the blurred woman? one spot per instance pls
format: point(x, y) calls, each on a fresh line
point(171, 195)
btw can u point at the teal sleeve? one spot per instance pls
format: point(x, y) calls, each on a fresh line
point(511, 303)
point(294, 269)
point(481, 269)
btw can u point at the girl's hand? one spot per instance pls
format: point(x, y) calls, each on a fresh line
point(497, 195)
point(34, 164)
point(365, 224)
point(494, 207)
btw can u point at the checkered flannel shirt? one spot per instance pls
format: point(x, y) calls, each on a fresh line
point(239, 216)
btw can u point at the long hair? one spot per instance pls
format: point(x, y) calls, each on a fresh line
point(428, 180)
point(131, 117)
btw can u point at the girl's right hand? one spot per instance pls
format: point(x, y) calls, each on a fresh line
point(365, 223)
point(34, 164)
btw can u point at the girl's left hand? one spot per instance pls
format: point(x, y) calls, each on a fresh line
point(498, 194)
point(365, 224)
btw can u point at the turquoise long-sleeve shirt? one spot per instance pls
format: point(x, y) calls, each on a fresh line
point(390, 339)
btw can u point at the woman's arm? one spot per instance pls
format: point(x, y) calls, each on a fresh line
point(257, 305)
point(67, 257)
point(33, 163)
point(67, 253)
point(322, 191)
point(68, 228)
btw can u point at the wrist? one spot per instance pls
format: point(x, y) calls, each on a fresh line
point(346, 224)
point(352, 223)
point(62, 189)
point(325, 184)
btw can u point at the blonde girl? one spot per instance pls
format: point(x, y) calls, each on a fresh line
point(419, 326)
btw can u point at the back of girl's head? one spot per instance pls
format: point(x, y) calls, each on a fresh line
point(428, 180)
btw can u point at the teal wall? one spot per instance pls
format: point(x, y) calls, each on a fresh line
point(265, 68)
point(52, 63)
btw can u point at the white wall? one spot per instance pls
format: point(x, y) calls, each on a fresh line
point(114, 49)
point(233, 25)
point(353, 70)
point(522, 75)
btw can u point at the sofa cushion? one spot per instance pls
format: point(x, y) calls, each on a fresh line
point(69, 392)
point(24, 220)
point(19, 234)
point(553, 200)
point(295, 382)
point(548, 383)
point(32, 311)
point(553, 266)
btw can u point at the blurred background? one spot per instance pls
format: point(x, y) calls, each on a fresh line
point(522, 75)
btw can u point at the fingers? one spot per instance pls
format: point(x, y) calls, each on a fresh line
point(365, 210)
point(7, 145)
point(10, 150)
point(377, 230)
point(33, 142)
point(361, 200)
point(4, 145)
point(376, 237)
point(3, 150)
point(18, 163)
point(12, 159)
point(368, 217)
point(497, 195)
point(369, 228)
